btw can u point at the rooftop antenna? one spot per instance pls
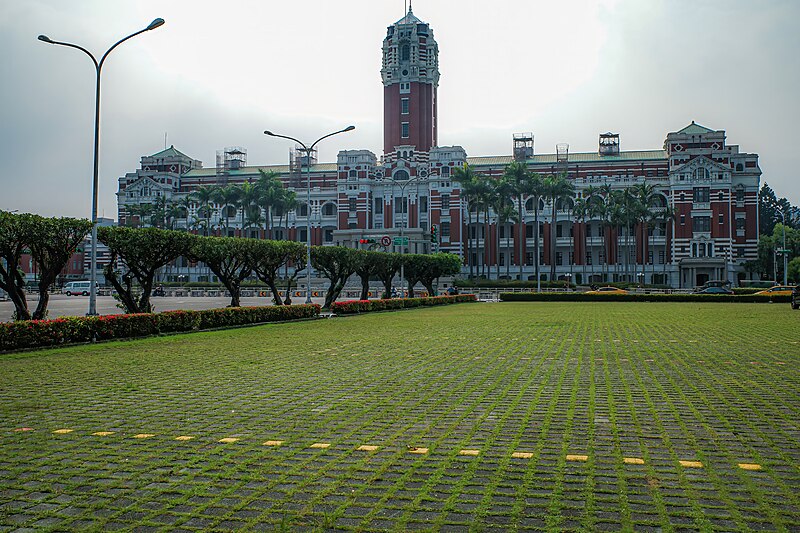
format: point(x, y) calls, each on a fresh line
point(165, 140)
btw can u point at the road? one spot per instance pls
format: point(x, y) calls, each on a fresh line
point(62, 305)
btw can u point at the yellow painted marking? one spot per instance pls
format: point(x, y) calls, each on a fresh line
point(102, 433)
point(749, 466)
point(320, 445)
point(273, 443)
point(367, 448)
point(228, 440)
point(469, 452)
point(577, 457)
point(420, 451)
point(691, 464)
point(184, 437)
point(522, 455)
point(632, 461)
point(62, 431)
point(23, 429)
point(144, 436)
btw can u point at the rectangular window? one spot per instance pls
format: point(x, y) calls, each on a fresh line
point(683, 220)
point(352, 204)
point(328, 235)
point(378, 206)
point(423, 204)
point(445, 201)
point(559, 258)
point(444, 228)
point(401, 205)
point(721, 218)
point(701, 224)
point(650, 257)
point(528, 232)
point(404, 130)
point(740, 223)
point(588, 259)
point(559, 231)
point(661, 257)
point(701, 195)
point(528, 258)
point(303, 235)
point(404, 106)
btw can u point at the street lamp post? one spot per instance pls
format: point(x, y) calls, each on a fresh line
point(307, 150)
point(404, 210)
point(98, 65)
point(784, 251)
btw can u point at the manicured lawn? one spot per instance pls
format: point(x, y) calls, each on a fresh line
point(533, 415)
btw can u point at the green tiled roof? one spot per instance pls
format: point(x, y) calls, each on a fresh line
point(170, 152)
point(695, 129)
point(579, 157)
point(249, 171)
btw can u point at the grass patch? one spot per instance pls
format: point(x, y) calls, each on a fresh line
point(573, 416)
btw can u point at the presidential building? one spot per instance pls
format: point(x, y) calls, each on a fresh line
point(709, 187)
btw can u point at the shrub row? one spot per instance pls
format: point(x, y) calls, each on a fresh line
point(69, 330)
point(583, 297)
point(364, 306)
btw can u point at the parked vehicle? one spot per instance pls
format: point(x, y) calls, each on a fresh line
point(778, 290)
point(77, 288)
point(714, 290)
point(608, 290)
point(796, 298)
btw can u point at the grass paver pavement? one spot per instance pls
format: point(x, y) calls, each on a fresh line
point(483, 416)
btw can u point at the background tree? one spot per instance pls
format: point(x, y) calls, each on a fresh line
point(228, 198)
point(555, 188)
point(143, 252)
point(203, 196)
point(13, 244)
point(51, 242)
point(271, 191)
point(426, 269)
point(522, 182)
point(467, 179)
point(230, 259)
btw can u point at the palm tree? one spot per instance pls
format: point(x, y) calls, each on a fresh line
point(581, 211)
point(467, 178)
point(248, 198)
point(646, 196)
point(501, 201)
point(555, 188)
point(521, 181)
point(203, 196)
point(286, 203)
point(506, 213)
point(228, 196)
point(667, 216)
point(141, 211)
point(484, 196)
point(270, 191)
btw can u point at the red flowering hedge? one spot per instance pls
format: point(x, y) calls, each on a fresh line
point(364, 306)
point(70, 330)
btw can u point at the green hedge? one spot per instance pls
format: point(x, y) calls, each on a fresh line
point(71, 330)
point(365, 306)
point(583, 297)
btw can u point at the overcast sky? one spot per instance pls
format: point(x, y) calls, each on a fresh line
point(219, 73)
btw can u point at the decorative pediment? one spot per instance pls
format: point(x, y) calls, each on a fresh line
point(701, 162)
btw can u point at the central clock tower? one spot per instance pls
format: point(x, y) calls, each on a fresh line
point(410, 78)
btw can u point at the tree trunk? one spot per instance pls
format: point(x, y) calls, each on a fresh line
point(553, 224)
point(536, 236)
point(276, 294)
point(521, 257)
point(234, 290)
point(17, 296)
point(365, 288)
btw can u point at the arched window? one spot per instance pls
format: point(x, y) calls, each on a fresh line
point(302, 210)
point(405, 52)
point(401, 175)
point(353, 174)
point(329, 209)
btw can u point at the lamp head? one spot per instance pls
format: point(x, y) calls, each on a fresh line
point(45, 38)
point(155, 24)
point(349, 128)
point(267, 132)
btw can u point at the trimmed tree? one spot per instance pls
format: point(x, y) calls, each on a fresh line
point(267, 257)
point(143, 251)
point(52, 241)
point(337, 263)
point(426, 269)
point(13, 237)
point(230, 259)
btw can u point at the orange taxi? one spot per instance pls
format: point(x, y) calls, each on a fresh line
point(608, 290)
point(778, 290)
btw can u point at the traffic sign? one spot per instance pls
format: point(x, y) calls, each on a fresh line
point(386, 240)
point(400, 241)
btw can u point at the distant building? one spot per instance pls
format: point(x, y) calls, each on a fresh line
point(711, 185)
